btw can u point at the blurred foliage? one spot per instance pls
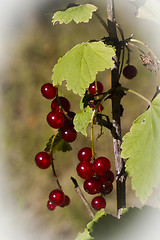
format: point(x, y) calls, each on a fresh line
point(27, 132)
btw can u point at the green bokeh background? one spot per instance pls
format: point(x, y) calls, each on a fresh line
point(24, 111)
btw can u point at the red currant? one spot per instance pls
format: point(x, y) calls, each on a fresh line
point(57, 197)
point(57, 103)
point(92, 185)
point(92, 88)
point(50, 205)
point(43, 160)
point(68, 133)
point(49, 91)
point(107, 178)
point(85, 154)
point(98, 203)
point(129, 71)
point(66, 201)
point(84, 170)
point(106, 188)
point(101, 165)
point(55, 119)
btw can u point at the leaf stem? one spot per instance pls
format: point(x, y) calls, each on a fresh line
point(79, 192)
point(53, 139)
point(92, 142)
point(155, 58)
point(139, 95)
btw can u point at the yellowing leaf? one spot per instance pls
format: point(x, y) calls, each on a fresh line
point(81, 13)
point(82, 119)
point(142, 148)
point(80, 65)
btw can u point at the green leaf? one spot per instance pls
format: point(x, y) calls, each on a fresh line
point(81, 13)
point(58, 145)
point(80, 65)
point(149, 10)
point(84, 236)
point(142, 148)
point(82, 119)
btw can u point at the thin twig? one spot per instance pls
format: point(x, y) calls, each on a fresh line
point(79, 192)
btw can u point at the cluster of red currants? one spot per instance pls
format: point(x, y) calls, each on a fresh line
point(60, 117)
point(57, 198)
point(96, 88)
point(97, 174)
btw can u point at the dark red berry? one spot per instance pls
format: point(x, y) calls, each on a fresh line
point(129, 71)
point(101, 165)
point(69, 118)
point(106, 188)
point(92, 88)
point(49, 91)
point(92, 185)
point(85, 154)
point(84, 170)
point(99, 109)
point(59, 103)
point(43, 160)
point(50, 205)
point(66, 201)
point(57, 197)
point(98, 203)
point(55, 119)
point(107, 178)
point(68, 133)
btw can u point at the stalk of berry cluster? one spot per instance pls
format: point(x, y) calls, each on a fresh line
point(116, 113)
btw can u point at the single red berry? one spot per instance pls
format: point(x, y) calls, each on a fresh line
point(55, 119)
point(66, 201)
point(92, 88)
point(129, 71)
point(99, 109)
point(43, 160)
point(92, 185)
point(60, 102)
point(85, 154)
point(57, 197)
point(107, 178)
point(84, 170)
point(69, 118)
point(49, 91)
point(106, 188)
point(98, 203)
point(101, 165)
point(50, 205)
point(68, 133)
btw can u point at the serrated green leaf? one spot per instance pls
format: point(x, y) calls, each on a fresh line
point(82, 119)
point(81, 13)
point(149, 10)
point(80, 65)
point(96, 218)
point(141, 147)
point(84, 236)
point(58, 145)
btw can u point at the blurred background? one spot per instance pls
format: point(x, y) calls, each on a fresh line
point(30, 46)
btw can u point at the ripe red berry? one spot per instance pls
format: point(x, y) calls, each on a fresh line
point(84, 170)
point(55, 119)
point(106, 188)
point(57, 103)
point(49, 91)
point(92, 185)
point(43, 160)
point(57, 197)
point(68, 133)
point(92, 88)
point(85, 154)
point(107, 178)
point(98, 203)
point(50, 205)
point(101, 165)
point(129, 71)
point(66, 201)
